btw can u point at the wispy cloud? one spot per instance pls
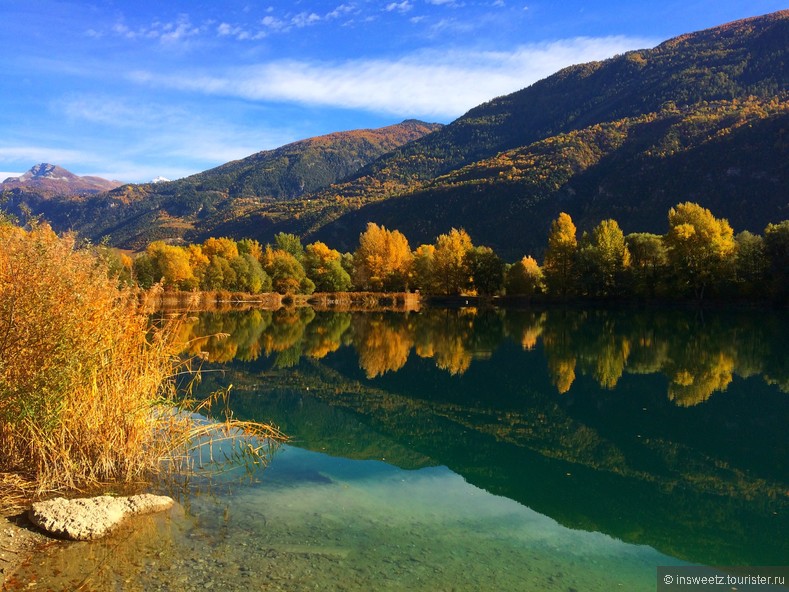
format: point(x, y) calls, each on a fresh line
point(161, 132)
point(402, 7)
point(450, 3)
point(304, 19)
point(239, 33)
point(165, 32)
point(431, 83)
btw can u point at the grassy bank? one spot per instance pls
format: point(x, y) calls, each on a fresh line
point(87, 393)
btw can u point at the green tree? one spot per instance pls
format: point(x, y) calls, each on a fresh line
point(648, 263)
point(776, 245)
point(486, 269)
point(604, 256)
point(525, 278)
point(286, 273)
point(219, 275)
point(701, 248)
point(752, 263)
point(422, 273)
point(290, 243)
point(249, 246)
point(560, 256)
point(324, 267)
point(250, 276)
point(450, 262)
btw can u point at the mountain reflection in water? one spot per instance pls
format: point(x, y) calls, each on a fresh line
point(665, 428)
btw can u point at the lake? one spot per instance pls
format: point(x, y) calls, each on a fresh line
point(557, 450)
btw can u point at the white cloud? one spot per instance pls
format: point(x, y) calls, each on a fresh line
point(431, 83)
point(304, 19)
point(164, 32)
point(239, 33)
point(403, 6)
point(136, 136)
point(273, 23)
point(341, 10)
point(4, 176)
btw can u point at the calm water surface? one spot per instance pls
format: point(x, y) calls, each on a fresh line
point(463, 450)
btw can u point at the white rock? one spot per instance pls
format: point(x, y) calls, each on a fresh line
point(92, 518)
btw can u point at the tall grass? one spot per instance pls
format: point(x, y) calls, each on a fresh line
point(86, 386)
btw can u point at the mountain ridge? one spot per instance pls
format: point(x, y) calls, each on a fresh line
point(48, 180)
point(697, 88)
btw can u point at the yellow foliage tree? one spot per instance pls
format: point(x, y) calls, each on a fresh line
point(701, 248)
point(383, 259)
point(559, 264)
point(450, 268)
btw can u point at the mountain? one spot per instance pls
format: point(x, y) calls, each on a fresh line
point(701, 117)
point(729, 156)
point(680, 104)
point(194, 207)
point(48, 180)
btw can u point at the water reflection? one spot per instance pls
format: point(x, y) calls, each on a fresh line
point(698, 354)
point(546, 450)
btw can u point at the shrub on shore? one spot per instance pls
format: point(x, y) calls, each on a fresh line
point(86, 385)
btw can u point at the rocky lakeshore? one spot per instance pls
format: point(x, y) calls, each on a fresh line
point(18, 541)
point(21, 533)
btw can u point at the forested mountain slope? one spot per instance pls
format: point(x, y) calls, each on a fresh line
point(133, 215)
point(627, 137)
point(701, 117)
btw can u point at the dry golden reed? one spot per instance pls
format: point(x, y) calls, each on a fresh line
point(87, 390)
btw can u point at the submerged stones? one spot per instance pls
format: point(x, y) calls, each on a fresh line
point(92, 518)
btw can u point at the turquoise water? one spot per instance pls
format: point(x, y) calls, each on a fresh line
point(317, 522)
point(446, 451)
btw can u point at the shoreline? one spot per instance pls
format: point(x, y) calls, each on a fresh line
point(239, 301)
point(19, 540)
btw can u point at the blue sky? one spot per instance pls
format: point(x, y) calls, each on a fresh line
point(130, 90)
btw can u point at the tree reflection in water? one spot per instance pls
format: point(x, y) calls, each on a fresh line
point(699, 354)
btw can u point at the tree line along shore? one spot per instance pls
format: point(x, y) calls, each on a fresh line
point(700, 257)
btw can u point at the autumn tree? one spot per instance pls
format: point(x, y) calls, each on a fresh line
point(167, 264)
point(525, 278)
point(199, 263)
point(324, 267)
point(383, 259)
point(222, 247)
point(559, 265)
point(701, 247)
point(451, 271)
